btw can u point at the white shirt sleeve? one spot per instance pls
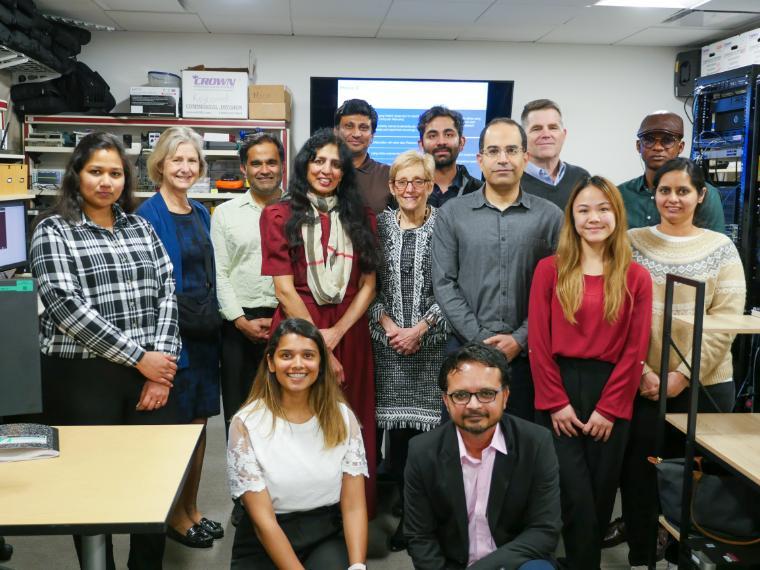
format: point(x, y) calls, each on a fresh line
point(354, 461)
point(243, 470)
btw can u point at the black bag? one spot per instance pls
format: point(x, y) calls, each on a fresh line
point(722, 503)
point(199, 318)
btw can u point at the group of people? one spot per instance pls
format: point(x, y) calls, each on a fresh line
point(409, 301)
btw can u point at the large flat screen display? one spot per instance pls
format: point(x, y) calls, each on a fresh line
point(399, 103)
point(12, 235)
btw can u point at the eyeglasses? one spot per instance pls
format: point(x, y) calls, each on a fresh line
point(667, 141)
point(462, 397)
point(495, 151)
point(417, 183)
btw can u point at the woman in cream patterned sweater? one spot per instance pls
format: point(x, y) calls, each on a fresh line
point(677, 246)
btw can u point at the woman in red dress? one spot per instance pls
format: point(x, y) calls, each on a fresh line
point(320, 245)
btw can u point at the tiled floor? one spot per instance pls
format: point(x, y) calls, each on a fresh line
point(57, 552)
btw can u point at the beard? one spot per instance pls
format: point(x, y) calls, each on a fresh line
point(476, 429)
point(447, 160)
point(265, 191)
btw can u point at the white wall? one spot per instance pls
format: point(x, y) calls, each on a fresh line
point(604, 91)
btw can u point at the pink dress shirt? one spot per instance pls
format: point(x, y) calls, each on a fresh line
point(477, 486)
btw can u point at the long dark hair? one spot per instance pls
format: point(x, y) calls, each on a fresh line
point(69, 203)
point(350, 205)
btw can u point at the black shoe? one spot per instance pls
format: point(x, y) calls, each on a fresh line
point(238, 512)
point(615, 534)
point(212, 528)
point(397, 541)
point(195, 537)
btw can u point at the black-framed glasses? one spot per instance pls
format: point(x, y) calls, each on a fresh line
point(667, 141)
point(495, 151)
point(417, 183)
point(463, 397)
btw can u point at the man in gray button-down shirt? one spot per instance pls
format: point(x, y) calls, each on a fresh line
point(485, 248)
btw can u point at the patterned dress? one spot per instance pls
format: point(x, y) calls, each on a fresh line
point(406, 385)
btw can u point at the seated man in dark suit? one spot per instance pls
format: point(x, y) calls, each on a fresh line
point(481, 491)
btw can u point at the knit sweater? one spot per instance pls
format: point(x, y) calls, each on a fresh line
point(710, 257)
point(558, 194)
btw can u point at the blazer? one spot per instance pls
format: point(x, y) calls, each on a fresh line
point(523, 503)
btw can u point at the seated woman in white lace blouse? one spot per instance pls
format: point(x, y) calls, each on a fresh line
point(296, 460)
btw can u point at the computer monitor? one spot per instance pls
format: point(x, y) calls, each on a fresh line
point(13, 226)
point(399, 103)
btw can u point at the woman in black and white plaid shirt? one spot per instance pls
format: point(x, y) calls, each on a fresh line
point(108, 333)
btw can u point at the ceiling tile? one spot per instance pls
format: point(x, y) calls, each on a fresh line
point(715, 20)
point(517, 22)
point(606, 25)
point(674, 37)
point(227, 17)
point(355, 18)
point(157, 22)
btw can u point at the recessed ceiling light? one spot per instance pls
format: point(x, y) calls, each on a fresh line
point(677, 4)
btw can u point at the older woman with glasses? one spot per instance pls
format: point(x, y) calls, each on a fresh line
point(407, 328)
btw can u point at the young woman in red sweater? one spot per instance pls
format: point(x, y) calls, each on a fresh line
point(588, 334)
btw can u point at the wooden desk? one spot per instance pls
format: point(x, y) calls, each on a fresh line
point(735, 324)
point(108, 479)
point(732, 438)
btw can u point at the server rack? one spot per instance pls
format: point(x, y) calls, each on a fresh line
point(726, 143)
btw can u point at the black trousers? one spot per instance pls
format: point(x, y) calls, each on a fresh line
point(316, 537)
point(98, 392)
point(588, 469)
point(638, 481)
point(521, 392)
point(240, 361)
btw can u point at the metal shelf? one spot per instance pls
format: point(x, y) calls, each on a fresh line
point(23, 65)
point(134, 150)
point(209, 196)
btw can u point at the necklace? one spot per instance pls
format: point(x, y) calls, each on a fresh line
point(424, 219)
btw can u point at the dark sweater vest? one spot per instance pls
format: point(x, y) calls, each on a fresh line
point(558, 194)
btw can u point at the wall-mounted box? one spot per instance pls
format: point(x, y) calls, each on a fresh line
point(154, 100)
point(13, 179)
point(271, 102)
point(753, 47)
point(734, 52)
point(214, 94)
point(711, 58)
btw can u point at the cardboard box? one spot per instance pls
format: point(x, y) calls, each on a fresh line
point(711, 59)
point(216, 94)
point(753, 47)
point(154, 100)
point(272, 102)
point(13, 179)
point(734, 53)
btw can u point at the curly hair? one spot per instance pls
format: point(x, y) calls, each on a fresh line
point(351, 207)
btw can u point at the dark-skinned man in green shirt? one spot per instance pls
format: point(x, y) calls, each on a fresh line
point(659, 139)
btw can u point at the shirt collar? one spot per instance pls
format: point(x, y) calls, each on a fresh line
point(524, 199)
point(544, 175)
point(120, 218)
point(642, 187)
point(497, 443)
point(366, 164)
point(249, 201)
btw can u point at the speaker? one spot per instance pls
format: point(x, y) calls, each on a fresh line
point(688, 67)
